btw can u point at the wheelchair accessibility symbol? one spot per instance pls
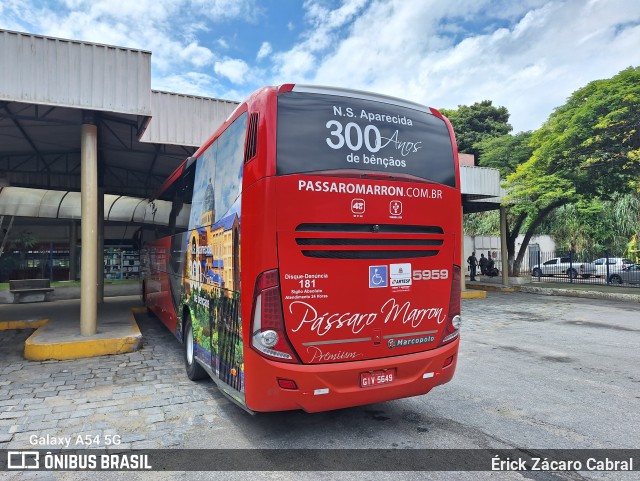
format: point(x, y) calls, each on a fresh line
point(378, 276)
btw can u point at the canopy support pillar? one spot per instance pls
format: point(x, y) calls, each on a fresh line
point(89, 225)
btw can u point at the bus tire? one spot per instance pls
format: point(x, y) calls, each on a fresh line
point(194, 370)
point(150, 311)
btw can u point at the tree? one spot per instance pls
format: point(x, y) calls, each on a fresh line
point(596, 227)
point(482, 223)
point(25, 241)
point(476, 126)
point(633, 248)
point(588, 149)
point(573, 229)
point(506, 152)
point(477, 122)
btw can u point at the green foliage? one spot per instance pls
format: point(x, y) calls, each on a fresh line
point(482, 223)
point(632, 250)
point(506, 152)
point(587, 151)
point(570, 229)
point(25, 241)
point(477, 122)
point(596, 226)
point(590, 146)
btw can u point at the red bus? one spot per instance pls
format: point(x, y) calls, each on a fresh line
point(314, 261)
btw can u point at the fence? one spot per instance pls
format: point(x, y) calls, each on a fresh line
point(571, 268)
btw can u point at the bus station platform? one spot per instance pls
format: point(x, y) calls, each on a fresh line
point(57, 328)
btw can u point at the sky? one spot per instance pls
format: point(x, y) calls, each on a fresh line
point(526, 55)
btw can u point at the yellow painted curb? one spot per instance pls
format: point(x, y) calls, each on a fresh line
point(474, 294)
point(489, 287)
point(31, 324)
point(34, 351)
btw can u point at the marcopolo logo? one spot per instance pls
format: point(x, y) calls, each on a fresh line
point(412, 341)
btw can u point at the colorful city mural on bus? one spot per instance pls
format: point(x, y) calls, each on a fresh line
point(212, 269)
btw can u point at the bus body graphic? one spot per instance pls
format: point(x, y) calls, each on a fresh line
point(284, 288)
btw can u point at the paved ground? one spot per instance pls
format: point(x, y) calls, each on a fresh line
point(534, 372)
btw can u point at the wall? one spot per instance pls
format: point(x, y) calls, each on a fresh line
point(486, 244)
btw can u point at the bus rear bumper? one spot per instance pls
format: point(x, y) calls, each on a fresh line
point(324, 387)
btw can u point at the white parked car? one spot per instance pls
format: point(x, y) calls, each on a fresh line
point(563, 266)
point(616, 264)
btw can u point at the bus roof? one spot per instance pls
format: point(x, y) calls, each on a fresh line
point(360, 94)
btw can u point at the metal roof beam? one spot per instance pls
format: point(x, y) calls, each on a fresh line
point(104, 124)
point(119, 120)
point(26, 136)
point(153, 164)
point(31, 118)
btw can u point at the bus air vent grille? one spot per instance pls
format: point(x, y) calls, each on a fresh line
point(251, 145)
point(368, 241)
point(377, 228)
point(369, 254)
point(326, 241)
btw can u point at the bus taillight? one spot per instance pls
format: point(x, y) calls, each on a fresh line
point(451, 330)
point(268, 333)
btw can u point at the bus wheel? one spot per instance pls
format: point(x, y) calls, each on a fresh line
point(194, 370)
point(150, 312)
point(144, 293)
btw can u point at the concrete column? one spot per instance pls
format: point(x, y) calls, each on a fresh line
point(100, 266)
point(503, 246)
point(89, 227)
point(73, 251)
point(463, 262)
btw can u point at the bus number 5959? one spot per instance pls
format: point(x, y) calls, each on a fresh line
point(430, 274)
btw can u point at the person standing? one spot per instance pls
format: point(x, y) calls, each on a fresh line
point(472, 260)
point(483, 264)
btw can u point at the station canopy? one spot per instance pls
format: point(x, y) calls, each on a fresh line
point(56, 204)
point(51, 87)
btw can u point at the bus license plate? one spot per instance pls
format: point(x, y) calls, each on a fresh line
point(375, 378)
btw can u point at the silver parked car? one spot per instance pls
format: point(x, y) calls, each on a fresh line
point(630, 275)
point(563, 266)
point(616, 264)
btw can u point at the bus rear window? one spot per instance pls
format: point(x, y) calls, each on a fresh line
point(319, 132)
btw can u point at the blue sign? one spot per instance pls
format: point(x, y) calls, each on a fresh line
point(378, 276)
